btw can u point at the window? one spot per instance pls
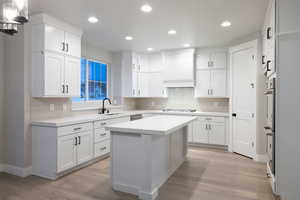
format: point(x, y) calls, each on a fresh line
point(93, 81)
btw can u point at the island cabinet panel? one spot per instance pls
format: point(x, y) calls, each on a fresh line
point(141, 163)
point(66, 152)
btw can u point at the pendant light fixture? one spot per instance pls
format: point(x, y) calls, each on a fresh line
point(12, 14)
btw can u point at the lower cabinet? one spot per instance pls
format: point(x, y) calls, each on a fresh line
point(74, 149)
point(208, 130)
point(57, 150)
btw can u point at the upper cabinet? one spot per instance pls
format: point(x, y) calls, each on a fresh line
point(56, 52)
point(211, 76)
point(211, 60)
point(141, 75)
point(179, 68)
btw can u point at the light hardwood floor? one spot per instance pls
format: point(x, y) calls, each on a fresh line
point(207, 175)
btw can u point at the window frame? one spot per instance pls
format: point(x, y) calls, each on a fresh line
point(92, 104)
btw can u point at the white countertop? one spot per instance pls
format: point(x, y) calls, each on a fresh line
point(156, 125)
point(84, 118)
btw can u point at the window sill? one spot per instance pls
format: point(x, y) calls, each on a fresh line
point(92, 105)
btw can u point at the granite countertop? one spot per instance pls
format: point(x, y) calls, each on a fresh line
point(156, 125)
point(84, 118)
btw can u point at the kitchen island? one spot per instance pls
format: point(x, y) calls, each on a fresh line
point(146, 152)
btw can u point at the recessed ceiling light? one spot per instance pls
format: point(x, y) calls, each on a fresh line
point(172, 32)
point(146, 8)
point(150, 49)
point(186, 45)
point(226, 24)
point(128, 38)
point(93, 20)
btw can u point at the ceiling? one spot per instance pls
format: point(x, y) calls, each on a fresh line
point(197, 22)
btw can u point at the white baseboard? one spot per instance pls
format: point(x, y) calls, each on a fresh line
point(263, 158)
point(17, 171)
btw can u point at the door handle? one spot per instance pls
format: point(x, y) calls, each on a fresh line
point(234, 114)
point(263, 60)
point(268, 65)
point(79, 140)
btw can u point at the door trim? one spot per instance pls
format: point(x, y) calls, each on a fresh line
point(252, 44)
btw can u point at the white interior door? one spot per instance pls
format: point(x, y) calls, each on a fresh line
point(72, 76)
point(243, 100)
point(54, 80)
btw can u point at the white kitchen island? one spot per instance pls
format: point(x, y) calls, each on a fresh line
point(146, 152)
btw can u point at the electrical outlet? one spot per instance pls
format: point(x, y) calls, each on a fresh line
point(52, 108)
point(65, 107)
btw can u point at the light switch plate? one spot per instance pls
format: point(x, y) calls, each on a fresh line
point(52, 108)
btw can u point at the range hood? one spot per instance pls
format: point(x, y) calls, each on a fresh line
point(179, 68)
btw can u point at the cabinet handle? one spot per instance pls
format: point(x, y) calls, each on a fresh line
point(104, 123)
point(206, 127)
point(103, 148)
point(79, 138)
point(133, 92)
point(63, 46)
point(104, 134)
point(263, 60)
point(63, 88)
point(269, 33)
point(209, 126)
point(139, 92)
point(75, 141)
point(67, 86)
point(268, 65)
point(67, 45)
point(208, 92)
point(211, 91)
point(77, 129)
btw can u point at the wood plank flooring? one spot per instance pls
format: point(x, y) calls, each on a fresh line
point(207, 175)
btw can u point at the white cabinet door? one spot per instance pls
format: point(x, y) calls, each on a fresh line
point(200, 132)
point(218, 83)
point(203, 83)
point(156, 86)
point(203, 60)
point(84, 147)
point(155, 62)
point(66, 152)
point(143, 63)
point(217, 134)
point(54, 39)
point(143, 84)
point(53, 74)
point(135, 83)
point(72, 76)
point(219, 60)
point(73, 45)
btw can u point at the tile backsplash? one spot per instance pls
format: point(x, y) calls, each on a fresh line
point(183, 98)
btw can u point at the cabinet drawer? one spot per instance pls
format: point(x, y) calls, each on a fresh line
point(212, 119)
point(74, 129)
point(103, 123)
point(102, 148)
point(101, 134)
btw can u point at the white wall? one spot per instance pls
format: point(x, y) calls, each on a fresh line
point(96, 53)
point(14, 100)
point(288, 100)
point(1, 98)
